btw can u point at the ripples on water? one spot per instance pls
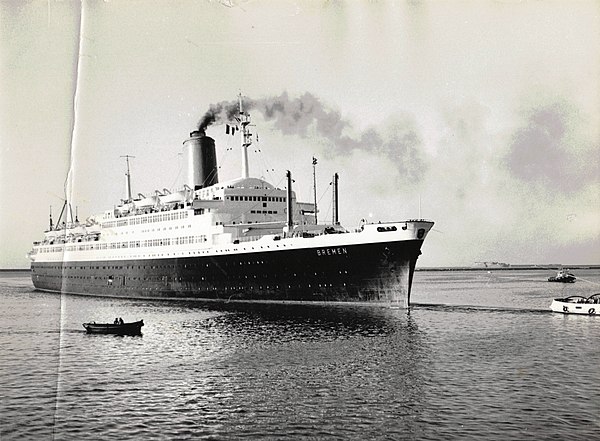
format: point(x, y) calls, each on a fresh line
point(478, 356)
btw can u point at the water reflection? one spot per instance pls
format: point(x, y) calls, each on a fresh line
point(281, 323)
point(249, 370)
point(326, 368)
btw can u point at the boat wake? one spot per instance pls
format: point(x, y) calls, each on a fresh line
point(477, 308)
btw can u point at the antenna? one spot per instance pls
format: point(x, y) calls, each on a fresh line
point(128, 178)
point(336, 220)
point(290, 208)
point(314, 164)
point(246, 137)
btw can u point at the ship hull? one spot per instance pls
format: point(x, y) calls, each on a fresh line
point(372, 273)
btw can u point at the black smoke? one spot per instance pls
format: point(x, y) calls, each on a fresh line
point(307, 116)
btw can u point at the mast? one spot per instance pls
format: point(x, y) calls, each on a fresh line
point(246, 138)
point(128, 178)
point(314, 164)
point(51, 226)
point(290, 216)
point(335, 220)
point(61, 215)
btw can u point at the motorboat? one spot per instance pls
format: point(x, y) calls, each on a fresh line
point(577, 305)
point(563, 276)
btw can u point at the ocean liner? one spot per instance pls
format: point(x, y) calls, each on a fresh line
point(238, 240)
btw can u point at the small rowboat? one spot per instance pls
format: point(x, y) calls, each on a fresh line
point(134, 328)
point(577, 305)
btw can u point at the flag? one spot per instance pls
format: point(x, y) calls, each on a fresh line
point(314, 161)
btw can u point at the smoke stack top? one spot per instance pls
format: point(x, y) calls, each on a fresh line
point(197, 134)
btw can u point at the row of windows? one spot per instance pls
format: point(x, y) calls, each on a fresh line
point(47, 250)
point(193, 266)
point(199, 239)
point(263, 212)
point(132, 267)
point(138, 220)
point(257, 198)
point(121, 281)
point(130, 244)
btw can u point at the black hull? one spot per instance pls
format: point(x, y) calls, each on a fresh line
point(374, 273)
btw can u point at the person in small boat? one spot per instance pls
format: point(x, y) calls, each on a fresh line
point(121, 321)
point(116, 322)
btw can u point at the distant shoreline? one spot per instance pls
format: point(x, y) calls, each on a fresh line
point(552, 267)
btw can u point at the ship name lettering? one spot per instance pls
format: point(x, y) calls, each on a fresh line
point(332, 251)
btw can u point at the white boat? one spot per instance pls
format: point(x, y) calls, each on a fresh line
point(577, 305)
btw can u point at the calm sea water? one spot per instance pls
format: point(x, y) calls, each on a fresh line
point(478, 356)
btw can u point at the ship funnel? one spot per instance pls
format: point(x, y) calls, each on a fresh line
point(201, 160)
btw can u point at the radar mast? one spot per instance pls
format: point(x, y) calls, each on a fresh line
point(128, 179)
point(244, 120)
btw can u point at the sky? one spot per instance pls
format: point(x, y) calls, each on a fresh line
point(481, 116)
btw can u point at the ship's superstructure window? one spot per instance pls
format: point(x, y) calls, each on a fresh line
point(181, 240)
point(144, 219)
point(256, 198)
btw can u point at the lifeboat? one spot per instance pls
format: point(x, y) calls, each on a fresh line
point(173, 198)
point(146, 202)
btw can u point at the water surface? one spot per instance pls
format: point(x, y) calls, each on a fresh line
point(478, 355)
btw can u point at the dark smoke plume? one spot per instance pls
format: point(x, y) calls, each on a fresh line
point(219, 113)
point(546, 151)
point(307, 115)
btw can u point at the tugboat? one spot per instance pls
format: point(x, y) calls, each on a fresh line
point(577, 305)
point(563, 276)
point(239, 240)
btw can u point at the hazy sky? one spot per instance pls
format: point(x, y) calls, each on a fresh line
point(483, 116)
